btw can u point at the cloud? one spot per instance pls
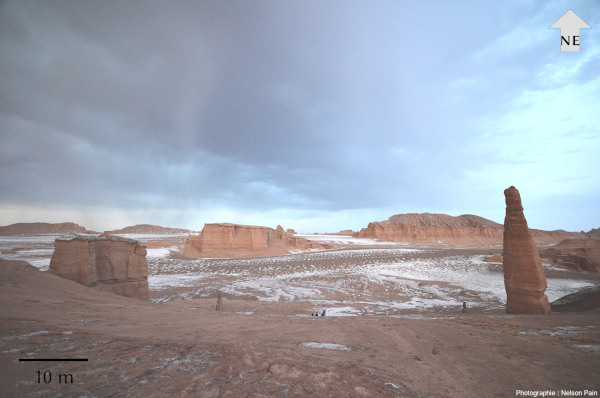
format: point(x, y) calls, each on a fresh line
point(303, 111)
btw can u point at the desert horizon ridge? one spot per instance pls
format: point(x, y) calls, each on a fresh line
point(32, 227)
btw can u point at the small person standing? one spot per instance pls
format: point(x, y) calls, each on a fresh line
point(324, 311)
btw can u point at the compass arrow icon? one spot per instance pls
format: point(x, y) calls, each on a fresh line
point(569, 25)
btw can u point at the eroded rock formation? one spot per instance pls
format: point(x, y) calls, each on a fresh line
point(234, 240)
point(111, 264)
point(524, 278)
point(40, 228)
point(219, 306)
point(148, 229)
point(467, 229)
point(575, 254)
point(434, 228)
point(594, 232)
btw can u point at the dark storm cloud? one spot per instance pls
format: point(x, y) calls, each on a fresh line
point(256, 105)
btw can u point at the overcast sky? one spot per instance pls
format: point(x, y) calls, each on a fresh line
point(316, 115)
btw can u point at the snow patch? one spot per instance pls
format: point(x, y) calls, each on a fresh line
point(594, 349)
point(325, 346)
point(343, 311)
point(347, 240)
point(160, 252)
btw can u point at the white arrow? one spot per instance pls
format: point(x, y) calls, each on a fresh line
point(569, 25)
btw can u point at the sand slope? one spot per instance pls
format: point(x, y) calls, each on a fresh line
point(185, 348)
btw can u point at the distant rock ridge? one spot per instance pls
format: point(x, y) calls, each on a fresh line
point(234, 240)
point(113, 264)
point(345, 232)
point(149, 230)
point(577, 254)
point(524, 278)
point(595, 232)
point(40, 228)
point(434, 228)
point(428, 228)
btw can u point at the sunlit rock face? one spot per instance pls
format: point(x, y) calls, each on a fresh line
point(234, 240)
point(434, 228)
point(113, 264)
point(524, 278)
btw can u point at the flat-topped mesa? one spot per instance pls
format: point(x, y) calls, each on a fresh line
point(434, 228)
point(40, 228)
point(234, 240)
point(108, 263)
point(148, 229)
point(524, 278)
point(468, 229)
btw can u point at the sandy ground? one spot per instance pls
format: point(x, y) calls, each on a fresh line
point(261, 348)
point(396, 328)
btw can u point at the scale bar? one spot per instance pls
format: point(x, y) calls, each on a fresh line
point(53, 359)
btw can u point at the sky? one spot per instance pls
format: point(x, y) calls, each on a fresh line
point(316, 115)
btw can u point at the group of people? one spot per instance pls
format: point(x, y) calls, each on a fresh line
point(317, 314)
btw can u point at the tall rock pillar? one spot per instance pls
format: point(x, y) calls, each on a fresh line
point(524, 278)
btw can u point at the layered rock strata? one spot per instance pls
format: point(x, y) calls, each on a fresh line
point(434, 228)
point(575, 254)
point(148, 229)
point(113, 264)
point(234, 240)
point(468, 229)
point(524, 278)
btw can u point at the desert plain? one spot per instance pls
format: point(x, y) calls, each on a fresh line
point(394, 326)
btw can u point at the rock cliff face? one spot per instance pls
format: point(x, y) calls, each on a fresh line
point(575, 254)
point(111, 264)
point(233, 240)
point(40, 228)
point(524, 278)
point(444, 229)
point(434, 228)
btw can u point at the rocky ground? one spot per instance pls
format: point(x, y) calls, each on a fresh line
point(266, 343)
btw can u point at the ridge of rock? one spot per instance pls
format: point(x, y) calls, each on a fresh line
point(524, 278)
point(585, 299)
point(434, 228)
point(577, 254)
point(41, 228)
point(235, 240)
point(442, 228)
point(594, 232)
point(148, 229)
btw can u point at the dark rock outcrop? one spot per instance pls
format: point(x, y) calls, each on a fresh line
point(524, 278)
point(595, 232)
point(586, 299)
point(575, 254)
